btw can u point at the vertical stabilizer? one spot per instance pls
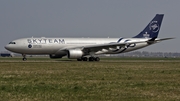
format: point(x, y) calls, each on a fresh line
point(152, 29)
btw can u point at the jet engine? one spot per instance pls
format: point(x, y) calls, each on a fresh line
point(75, 53)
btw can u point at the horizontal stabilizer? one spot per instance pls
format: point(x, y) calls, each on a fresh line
point(164, 39)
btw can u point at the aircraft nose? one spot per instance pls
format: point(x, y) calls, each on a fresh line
point(7, 47)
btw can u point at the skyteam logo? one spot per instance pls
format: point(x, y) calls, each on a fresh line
point(29, 46)
point(146, 35)
point(154, 26)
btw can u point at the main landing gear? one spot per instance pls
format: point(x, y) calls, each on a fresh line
point(24, 57)
point(89, 59)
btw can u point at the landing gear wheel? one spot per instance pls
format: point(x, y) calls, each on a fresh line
point(79, 59)
point(91, 58)
point(97, 59)
point(24, 59)
point(84, 58)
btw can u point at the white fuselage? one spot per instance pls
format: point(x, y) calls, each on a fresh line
point(59, 45)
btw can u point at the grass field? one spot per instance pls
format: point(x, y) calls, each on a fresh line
point(125, 79)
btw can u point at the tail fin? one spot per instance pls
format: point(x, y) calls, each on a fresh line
point(152, 29)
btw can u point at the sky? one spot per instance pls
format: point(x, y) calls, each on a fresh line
point(88, 18)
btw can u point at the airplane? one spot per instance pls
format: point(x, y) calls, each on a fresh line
point(86, 49)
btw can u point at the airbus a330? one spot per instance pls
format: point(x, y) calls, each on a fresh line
point(86, 49)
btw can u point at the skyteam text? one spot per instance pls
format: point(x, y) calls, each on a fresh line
point(45, 41)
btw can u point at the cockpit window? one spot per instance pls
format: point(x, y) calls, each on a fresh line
point(12, 43)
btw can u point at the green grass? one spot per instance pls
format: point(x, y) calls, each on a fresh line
point(137, 79)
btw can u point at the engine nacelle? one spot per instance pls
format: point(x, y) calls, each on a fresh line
point(75, 53)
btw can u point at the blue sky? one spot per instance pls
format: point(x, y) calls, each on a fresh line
point(88, 18)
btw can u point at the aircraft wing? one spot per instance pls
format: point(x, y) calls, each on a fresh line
point(98, 47)
point(95, 48)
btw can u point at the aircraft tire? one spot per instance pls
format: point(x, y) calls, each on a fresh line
point(84, 58)
point(97, 59)
point(79, 59)
point(24, 59)
point(91, 58)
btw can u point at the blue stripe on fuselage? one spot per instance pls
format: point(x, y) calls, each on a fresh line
point(120, 40)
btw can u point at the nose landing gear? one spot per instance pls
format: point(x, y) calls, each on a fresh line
point(24, 57)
